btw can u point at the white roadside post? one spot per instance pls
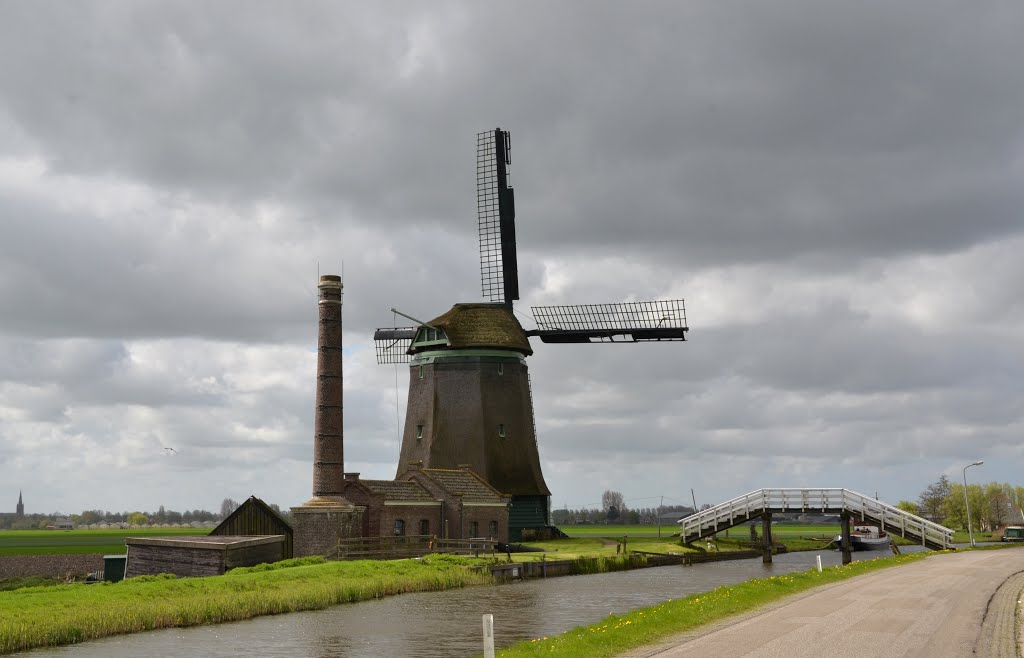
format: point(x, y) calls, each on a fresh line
point(819, 564)
point(488, 636)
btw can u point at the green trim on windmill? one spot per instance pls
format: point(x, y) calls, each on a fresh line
point(470, 355)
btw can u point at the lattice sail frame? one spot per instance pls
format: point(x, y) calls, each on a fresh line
point(495, 202)
point(662, 320)
point(392, 344)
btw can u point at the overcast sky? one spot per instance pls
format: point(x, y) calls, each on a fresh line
point(834, 188)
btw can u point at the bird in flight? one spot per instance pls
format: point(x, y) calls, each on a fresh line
point(170, 450)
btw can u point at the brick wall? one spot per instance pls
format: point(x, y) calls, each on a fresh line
point(317, 531)
point(412, 515)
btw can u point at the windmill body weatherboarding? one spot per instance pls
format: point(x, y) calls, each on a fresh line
point(470, 400)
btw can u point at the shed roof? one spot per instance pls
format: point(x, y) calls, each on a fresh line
point(253, 507)
point(483, 325)
point(464, 483)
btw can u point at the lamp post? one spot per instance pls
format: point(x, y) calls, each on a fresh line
point(967, 503)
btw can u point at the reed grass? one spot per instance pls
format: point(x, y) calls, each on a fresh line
point(645, 626)
point(53, 616)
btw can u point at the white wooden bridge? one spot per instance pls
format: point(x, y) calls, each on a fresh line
point(848, 504)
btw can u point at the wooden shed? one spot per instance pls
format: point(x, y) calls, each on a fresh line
point(199, 556)
point(255, 518)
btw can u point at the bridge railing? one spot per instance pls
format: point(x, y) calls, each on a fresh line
point(928, 531)
point(825, 500)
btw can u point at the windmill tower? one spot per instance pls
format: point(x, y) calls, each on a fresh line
point(470, 401)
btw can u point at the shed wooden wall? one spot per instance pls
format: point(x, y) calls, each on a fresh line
point(254, 518)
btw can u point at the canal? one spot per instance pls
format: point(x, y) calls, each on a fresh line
point(447, 624)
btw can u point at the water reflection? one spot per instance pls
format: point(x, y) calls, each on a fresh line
point(447, 624)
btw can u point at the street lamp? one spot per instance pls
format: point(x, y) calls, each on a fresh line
point(967, 504)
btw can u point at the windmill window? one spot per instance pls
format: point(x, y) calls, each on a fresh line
point(501, 368)
point(421, 372)
point(419, 434)
point(501, 430)
point(427, 336)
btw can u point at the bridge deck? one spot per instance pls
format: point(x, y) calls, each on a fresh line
point(820, 501)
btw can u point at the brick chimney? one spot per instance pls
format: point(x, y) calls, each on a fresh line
point(328, 441)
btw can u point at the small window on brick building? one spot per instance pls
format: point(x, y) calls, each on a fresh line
point(399, 528)
point(424, 526)
point(501, 430)
point(501, 368)
point(492, 529)
point(421, 372)
point(474, 529)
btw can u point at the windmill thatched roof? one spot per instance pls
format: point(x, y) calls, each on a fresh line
point(483, 325)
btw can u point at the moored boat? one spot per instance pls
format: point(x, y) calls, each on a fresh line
point(865, 538)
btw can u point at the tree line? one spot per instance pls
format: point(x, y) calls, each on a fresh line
point(614, 510)
point(90, 517)
point(992, 505)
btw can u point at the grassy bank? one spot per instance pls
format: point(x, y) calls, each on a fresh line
point(66, 542)
point(644, 626)
point(29, 618)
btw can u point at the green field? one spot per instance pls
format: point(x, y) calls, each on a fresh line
point(64, 542)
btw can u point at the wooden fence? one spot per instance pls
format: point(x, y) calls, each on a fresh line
point(396, 548)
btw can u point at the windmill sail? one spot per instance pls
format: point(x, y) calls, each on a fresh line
point(496, 213)
point(609, 323)
point(393, 343)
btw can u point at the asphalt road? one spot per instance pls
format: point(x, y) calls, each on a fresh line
point(960, 604)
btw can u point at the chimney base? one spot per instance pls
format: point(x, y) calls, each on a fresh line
point(319, 523)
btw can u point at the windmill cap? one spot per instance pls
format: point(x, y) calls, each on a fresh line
point(332, 280)
point(483, 326)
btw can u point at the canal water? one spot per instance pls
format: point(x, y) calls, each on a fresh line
point(448, 624)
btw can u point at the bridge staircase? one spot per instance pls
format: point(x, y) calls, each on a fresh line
point(846, 503)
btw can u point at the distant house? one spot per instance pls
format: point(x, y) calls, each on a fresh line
point(62, 523)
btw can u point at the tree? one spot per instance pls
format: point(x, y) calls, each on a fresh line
point(612, 504)
point(933, 498)
point(909, 506)
point(137, 518)
point(1000, 505)
point(227, 507)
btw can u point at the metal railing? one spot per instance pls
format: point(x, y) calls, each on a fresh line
point(822, 501)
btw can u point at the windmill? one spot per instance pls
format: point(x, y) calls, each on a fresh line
point(470, 400)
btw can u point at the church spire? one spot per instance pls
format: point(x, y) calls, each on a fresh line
point(20, 510)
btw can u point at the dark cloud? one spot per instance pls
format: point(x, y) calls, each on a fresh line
point(834, 189)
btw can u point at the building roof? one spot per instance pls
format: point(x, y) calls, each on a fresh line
point(464, 483)
point(482, 325)
point(399, 490)
point(255, 515)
